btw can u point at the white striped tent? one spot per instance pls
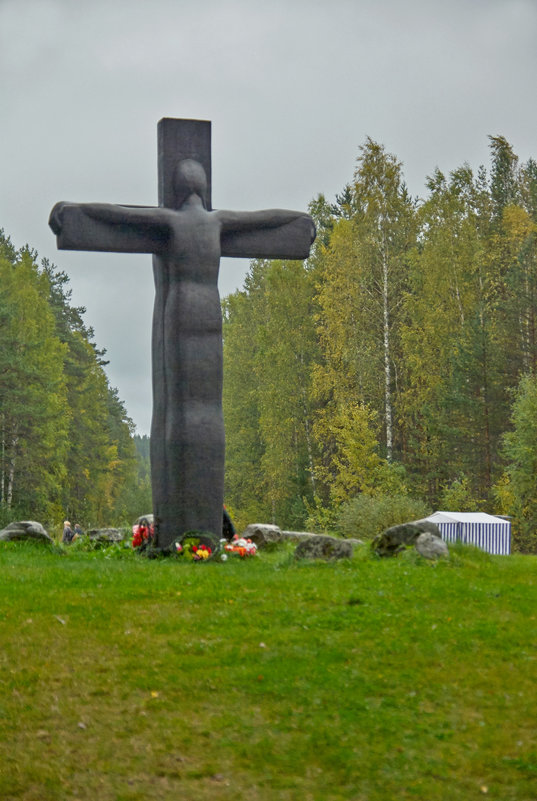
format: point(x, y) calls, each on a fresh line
point(488, 532)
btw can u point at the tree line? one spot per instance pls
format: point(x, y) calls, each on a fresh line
point(395, 368)
point(67, 445)
point(397, 362)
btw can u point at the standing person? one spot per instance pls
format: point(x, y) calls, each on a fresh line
point(68, 533)
point(228, 529)
point(78, 531)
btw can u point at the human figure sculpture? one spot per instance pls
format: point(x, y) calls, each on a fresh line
point(187, 432)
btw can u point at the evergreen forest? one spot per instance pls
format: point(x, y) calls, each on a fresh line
point(392, 373)
point(67, 445)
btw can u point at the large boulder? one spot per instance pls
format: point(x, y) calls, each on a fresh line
point(262, 534)
point(25, 530)
point(431, 547)
point(266, 535)
point(297, 536)
point(105, 536)
point(320, 546)
point(396, 538)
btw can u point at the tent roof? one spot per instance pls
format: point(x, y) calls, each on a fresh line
point(467, 517)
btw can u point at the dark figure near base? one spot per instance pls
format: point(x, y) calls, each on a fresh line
point(228, 529)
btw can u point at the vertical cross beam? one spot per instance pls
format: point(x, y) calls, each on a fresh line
point(178, 140)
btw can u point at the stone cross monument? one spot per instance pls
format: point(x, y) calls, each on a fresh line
point(187, 239)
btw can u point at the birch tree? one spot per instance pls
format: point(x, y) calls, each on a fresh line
point(361, 286)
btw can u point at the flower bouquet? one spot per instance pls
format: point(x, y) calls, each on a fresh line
point(201, 552)
point(241, 547)
point(194, 547)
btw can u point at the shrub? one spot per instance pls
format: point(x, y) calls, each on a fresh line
point(366, 516)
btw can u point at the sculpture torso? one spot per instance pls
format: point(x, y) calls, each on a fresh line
point(187, 437)
point(194, 244)
point(187, 311)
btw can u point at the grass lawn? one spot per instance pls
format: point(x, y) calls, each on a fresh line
point(127, 679)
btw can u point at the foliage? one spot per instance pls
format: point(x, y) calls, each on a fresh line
point(360, 282)
point(87, 545)
point(365, 516)
point(67, 445)
point(33, 403)
point(354, 461)
point(457, 496)
point(269, 346)
point(244, 447)
point(321, 517)
point(521, 471)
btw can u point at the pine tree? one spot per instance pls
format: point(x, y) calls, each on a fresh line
point(286, 351)
point(33, 402)
point(244, 486)
point(451, 407)
point(521, 471)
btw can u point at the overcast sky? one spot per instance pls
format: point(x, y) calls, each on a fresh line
point(293, 88)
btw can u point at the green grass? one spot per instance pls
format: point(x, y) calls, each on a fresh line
point(126, 679)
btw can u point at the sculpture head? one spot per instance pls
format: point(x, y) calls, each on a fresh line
point(189, 178)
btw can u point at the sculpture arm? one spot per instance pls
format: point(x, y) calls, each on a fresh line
point(150, 217)
point(55, 220)
point(107, 227)
point(240, 221)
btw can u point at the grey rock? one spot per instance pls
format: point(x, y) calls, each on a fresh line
point(396, 538)
point(262, 534)
point(320, 546)
point(431, 546)
point(106, 536)
point(25, 530)
point(297, 536)
point(266, 535)
point(428, 525)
